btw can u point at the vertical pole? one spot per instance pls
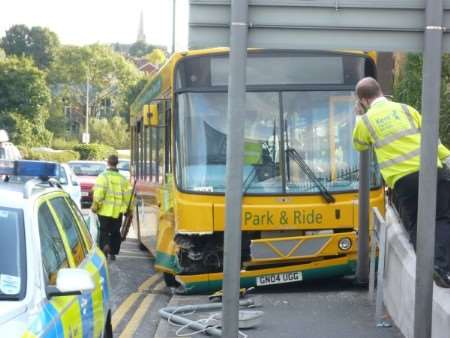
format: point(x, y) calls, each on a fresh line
point(426, 216)
point(362, 268)
point(235, 159)
point(174, 12)
point(86, 127)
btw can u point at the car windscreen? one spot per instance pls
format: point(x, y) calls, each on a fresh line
point(87, 169)
point(123, 165)
point(12, 255)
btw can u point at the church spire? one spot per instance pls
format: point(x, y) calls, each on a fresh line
point(141, 34)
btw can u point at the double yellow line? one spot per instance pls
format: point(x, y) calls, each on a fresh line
point(128, 303)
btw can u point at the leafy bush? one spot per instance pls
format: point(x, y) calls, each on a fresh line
point(57, 156)
point(62, 144)
point(112, 132)
point(408, 89)
point(94, 151)
point(30, 133)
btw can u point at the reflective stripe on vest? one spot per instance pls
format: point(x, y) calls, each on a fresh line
point(378, 142)
point(399, 159)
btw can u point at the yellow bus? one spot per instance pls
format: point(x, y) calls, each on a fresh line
point(300, 185)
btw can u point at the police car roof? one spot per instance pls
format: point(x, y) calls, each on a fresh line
point(12, 195)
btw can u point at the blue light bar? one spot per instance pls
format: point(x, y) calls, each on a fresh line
point(29, 168)
point(36, 168)
point(7, 167)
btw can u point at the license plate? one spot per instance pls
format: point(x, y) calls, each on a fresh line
point(84, 193)
point(279, 278)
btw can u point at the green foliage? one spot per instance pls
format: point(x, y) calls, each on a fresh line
point(110, 132)
point(23, 88)
point(38, 43)
point(408, 89)
point(62, 144)
point(109, 74)
point(139, 49)
point(94, 151)
point(157, 57)
point(62, 156)
point(30, 133)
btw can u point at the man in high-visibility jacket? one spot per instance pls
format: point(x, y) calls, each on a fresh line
point(393, 129)
point(112, 193)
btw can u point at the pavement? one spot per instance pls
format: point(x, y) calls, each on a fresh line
point(323, 309)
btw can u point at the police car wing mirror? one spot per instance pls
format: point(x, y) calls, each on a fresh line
point(71, 282)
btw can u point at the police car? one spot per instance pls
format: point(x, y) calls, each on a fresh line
point(54, 280)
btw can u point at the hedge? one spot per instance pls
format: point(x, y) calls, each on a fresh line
point(94, 151)
point(42, 155)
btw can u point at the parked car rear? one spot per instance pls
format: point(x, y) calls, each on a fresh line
point(87, 172)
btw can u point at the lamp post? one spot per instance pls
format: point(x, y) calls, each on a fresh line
point(85, 137)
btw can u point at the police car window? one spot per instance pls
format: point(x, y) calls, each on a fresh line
point(12, 254)
point(67, 219)
point(83, 226)
point(54, 255)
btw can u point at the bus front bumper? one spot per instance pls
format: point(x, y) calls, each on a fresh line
point(330, 267)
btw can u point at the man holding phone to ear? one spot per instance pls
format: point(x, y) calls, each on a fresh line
point(393, 129)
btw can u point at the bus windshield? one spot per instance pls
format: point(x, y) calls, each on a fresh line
point(296, 141)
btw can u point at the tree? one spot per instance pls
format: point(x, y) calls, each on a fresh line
point(157, 57)
point(139, 49)
point(408, 89)
point(109, 76)
point(38, 43)
point(24, 99)
point(112, 132)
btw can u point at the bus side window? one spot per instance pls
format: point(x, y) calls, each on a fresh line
point(167, 130)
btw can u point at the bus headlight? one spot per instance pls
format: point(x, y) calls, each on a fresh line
point(345, 243)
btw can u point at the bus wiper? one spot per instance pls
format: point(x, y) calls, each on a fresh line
point(295, 156)
point(249, 179)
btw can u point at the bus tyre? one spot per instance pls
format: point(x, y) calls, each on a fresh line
point(108, 330)
point(170, 280)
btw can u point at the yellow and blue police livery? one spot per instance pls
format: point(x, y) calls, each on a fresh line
point(54, 280)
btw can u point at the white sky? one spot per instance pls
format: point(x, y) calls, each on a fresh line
point(106, 21)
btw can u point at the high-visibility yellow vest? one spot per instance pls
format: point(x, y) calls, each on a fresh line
point(394, 131)
point(112, 193)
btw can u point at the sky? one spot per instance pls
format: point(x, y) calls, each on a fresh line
point(81, 22)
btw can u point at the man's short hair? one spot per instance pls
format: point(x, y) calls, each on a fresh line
point(113, 160)
point(368, 88)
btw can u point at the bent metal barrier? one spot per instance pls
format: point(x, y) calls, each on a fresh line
point(378, 239)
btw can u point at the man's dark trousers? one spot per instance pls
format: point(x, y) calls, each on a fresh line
point(110, 233)
point(406, 191)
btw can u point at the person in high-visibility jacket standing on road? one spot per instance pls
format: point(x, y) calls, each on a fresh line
point(393, 129)
point(112, 194)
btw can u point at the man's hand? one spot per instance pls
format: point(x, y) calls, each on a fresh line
point(359, 109)
point(94, 208)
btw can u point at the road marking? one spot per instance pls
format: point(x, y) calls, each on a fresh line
point(123, 309)
point(160, 286)
point(146, 284)
point(135, 321)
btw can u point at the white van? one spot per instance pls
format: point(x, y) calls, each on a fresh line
point(8, 151)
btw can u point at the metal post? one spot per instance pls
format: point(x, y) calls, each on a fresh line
point(235, 159)
point(426, 216)
point(174, 12)
point(362, 269)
